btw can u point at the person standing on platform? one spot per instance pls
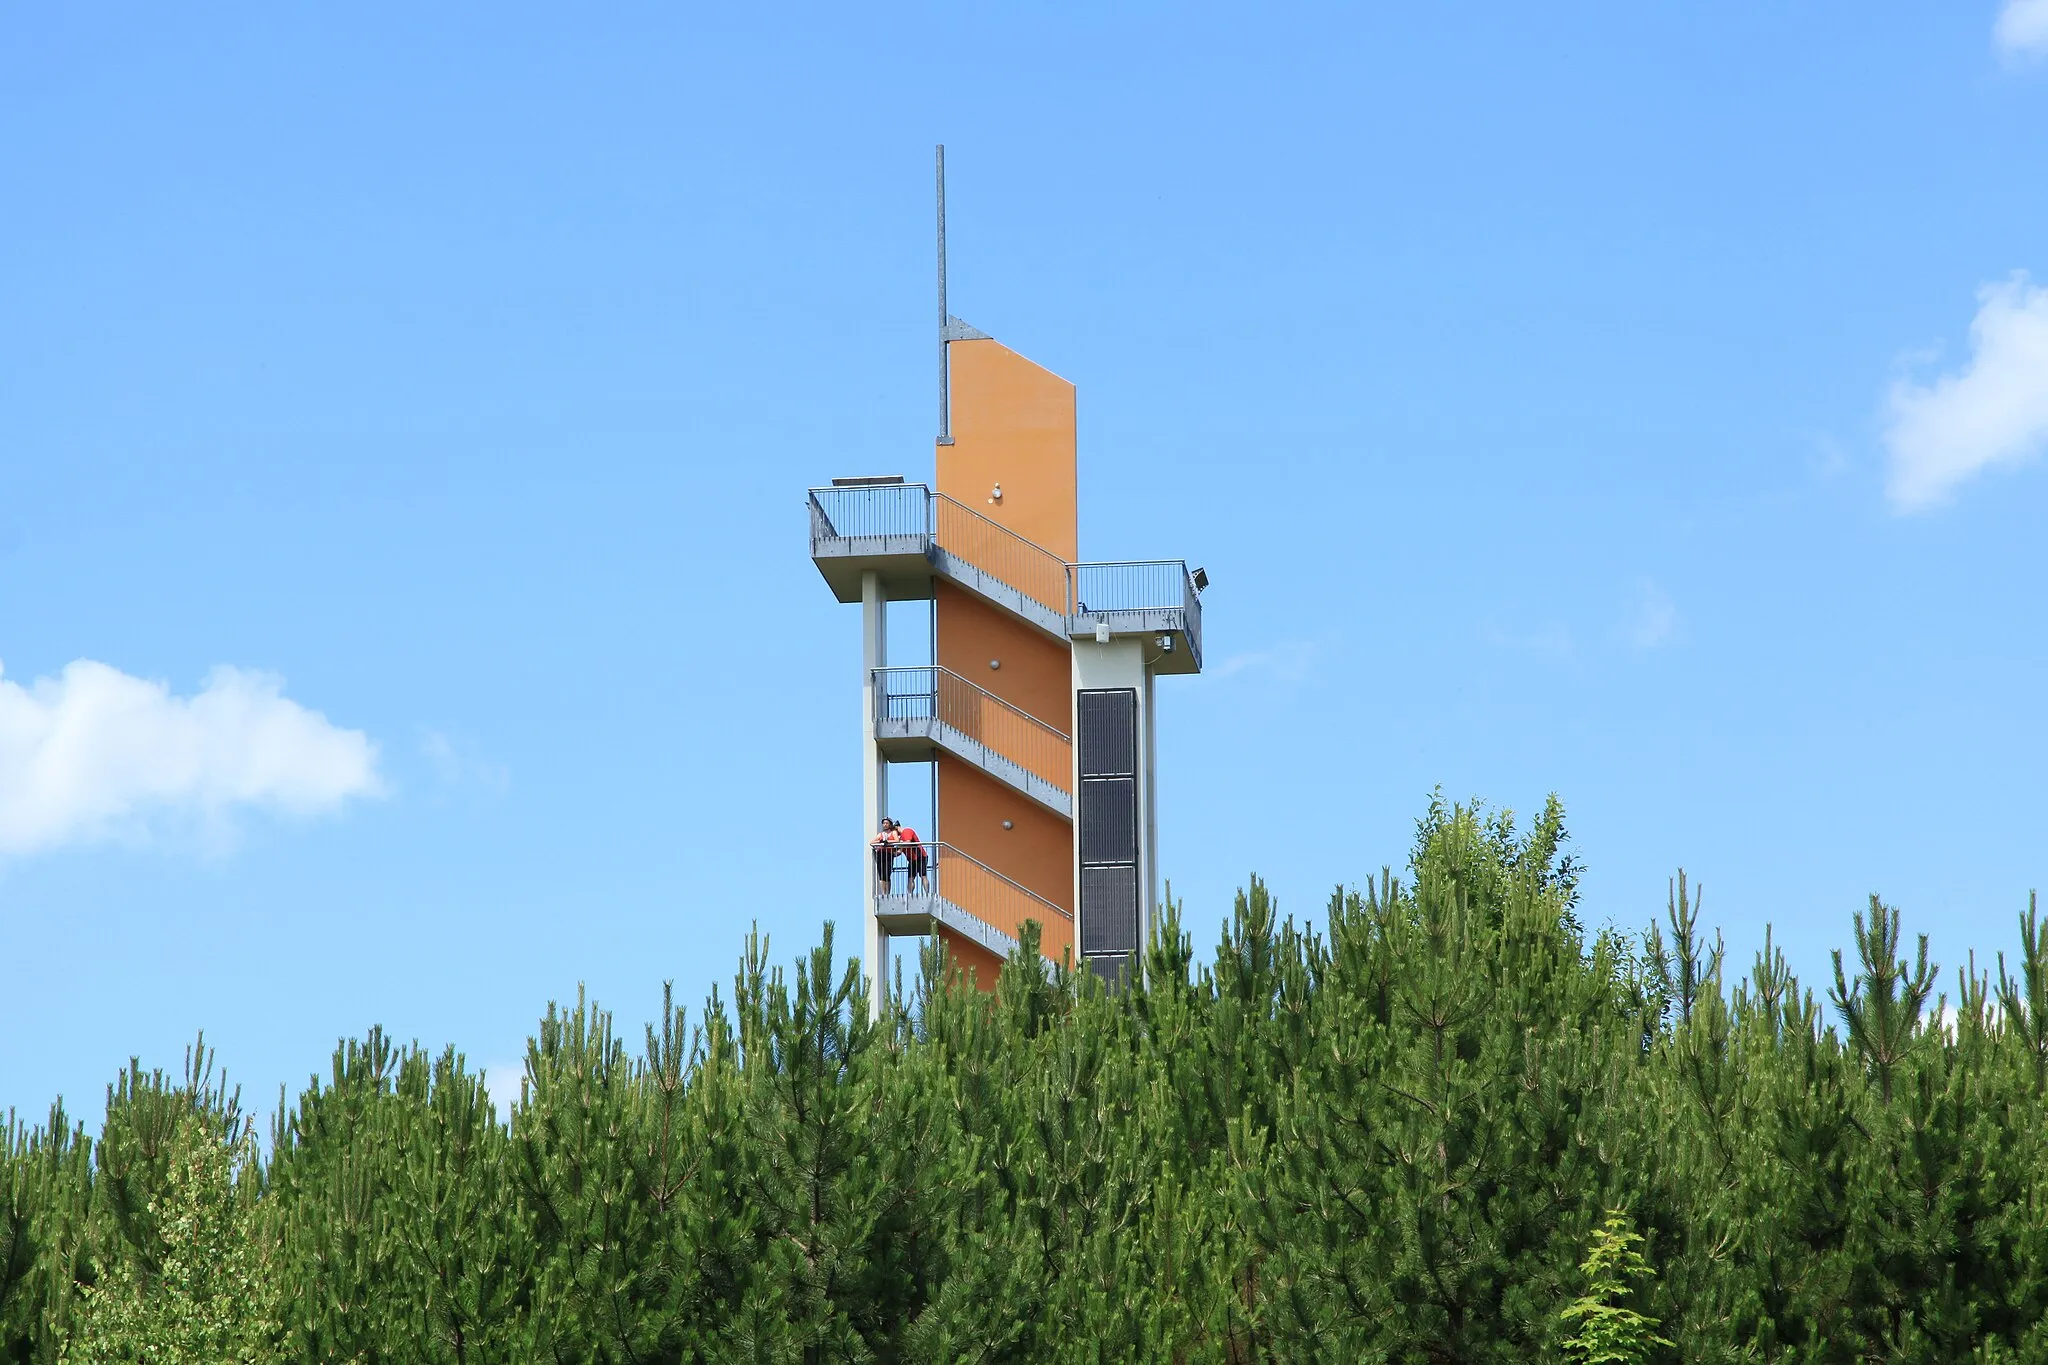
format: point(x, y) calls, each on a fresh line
point(917, 861)
point(884, 845)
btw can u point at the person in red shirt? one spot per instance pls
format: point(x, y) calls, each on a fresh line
point(916, 859)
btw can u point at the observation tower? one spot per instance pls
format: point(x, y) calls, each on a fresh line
point(1035, 705)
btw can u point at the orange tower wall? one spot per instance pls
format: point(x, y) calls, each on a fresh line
point(1036, 851)
point(1013, 426)
point(981, 966)
point(1036, 673)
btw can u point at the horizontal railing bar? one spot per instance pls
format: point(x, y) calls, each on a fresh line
point(1124, 563)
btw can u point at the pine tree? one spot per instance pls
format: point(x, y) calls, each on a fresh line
point(1449, 1122)
point(45, 1205)
point(1882, 1008)
point(2023, 1000)
point(335, 1161)
point(1399, 1135)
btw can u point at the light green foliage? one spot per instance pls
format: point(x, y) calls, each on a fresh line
point(1600, 1327)
point(209, 1294)
point(1396, 1135)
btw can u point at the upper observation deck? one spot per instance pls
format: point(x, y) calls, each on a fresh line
point(908, 535)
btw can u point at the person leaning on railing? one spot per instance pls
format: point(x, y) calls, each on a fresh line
point(917, 860)
point(884, 845)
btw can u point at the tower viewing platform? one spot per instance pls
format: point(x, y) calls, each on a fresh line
point(909, 535)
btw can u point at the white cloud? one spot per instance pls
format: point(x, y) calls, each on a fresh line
point(1993, 412)
point(95, 753)
point(2023, 26)
point(1654, 619)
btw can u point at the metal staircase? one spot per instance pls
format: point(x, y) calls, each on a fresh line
point(925, 708)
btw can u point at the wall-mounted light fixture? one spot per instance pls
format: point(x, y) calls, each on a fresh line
point(996, 494)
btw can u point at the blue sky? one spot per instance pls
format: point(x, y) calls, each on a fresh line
point(403, 422)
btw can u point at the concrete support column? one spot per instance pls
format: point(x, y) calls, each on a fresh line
point(874, 653)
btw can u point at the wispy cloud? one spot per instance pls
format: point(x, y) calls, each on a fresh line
point(1289, 662)
point(2022, 27)
point(460, 768)
point(95, 753)
point(1994, 411)
point(1653, 619)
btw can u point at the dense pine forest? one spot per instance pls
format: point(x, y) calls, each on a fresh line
point(1447, 1124)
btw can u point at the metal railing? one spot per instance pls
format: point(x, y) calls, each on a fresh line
point(1136, 585)
point(869, 511)
point(943, 697)
point(1001, 553)
point(966, 882)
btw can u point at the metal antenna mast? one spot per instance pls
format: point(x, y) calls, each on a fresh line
point(945, 382)
point(951, 329)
